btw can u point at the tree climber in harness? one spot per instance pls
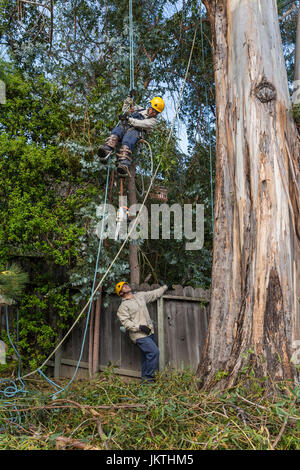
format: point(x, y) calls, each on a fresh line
point(133, 120)
point(134, 317)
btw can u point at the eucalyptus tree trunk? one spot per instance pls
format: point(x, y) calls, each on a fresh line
point(255, 277)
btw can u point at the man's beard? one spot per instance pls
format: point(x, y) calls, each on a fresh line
point(128, 292)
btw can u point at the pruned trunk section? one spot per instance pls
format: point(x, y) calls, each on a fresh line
point(133, 247)
point(255, 295)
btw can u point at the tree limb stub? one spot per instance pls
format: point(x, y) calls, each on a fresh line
point(265, 91)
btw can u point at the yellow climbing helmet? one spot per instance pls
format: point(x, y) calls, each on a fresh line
point(158, 104)
point(119, 287)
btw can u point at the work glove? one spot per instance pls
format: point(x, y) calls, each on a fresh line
point(123, 117)
point(128, 105)
point(130, 120)
point(171, 287)
point(145, 329)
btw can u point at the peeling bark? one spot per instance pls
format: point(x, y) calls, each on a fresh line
point(255, 301)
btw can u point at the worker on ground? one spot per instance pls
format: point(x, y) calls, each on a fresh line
point(134, 317)
point(133, 120)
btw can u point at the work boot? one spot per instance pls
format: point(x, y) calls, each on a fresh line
point(147, 381)
point(124, 161)
point(110, 145)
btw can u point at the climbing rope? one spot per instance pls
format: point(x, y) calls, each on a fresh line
point(11, 389)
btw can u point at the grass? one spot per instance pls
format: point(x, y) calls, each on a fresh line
point(111, 412)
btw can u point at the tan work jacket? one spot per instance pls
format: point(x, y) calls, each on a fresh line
point(146, 124)
point(133, 312)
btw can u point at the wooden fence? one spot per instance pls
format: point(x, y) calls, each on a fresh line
point(180, 320)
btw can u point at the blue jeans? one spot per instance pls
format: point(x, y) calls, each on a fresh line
point(127, 135)
point(150, 356)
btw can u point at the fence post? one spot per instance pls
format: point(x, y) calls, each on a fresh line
point(161, 333)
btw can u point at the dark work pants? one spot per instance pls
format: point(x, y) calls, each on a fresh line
point(127, 135)
point(150, 356)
